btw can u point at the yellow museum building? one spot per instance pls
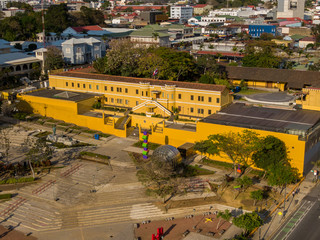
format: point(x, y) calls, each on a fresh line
point(149, 104)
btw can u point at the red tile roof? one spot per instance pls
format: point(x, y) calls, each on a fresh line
point(87, 73)
point(87, 28)
point(140, 8)
point(200, 6)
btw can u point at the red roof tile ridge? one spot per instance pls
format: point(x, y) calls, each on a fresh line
point(166, 82)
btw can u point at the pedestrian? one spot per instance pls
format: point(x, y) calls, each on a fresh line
point(293, 193)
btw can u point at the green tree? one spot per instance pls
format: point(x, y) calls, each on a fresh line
point(256, 196)
point(226, 215)
point(207, 63)
point(282, 174)
point(203, 147)
point(262, 58)
point(248, 222)
point(100, 65)
point(315, 31)
point(57, 18)
point(245, 182)
point(237, 147)
point(54, 58)
point(271, 152)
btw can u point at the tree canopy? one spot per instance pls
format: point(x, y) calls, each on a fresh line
point(54, 58)
point(248, 221)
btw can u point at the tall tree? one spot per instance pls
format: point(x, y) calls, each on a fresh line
point(256, 196)
point(54, 58)
point(57, 18)
point(248, 222)
point(237, 147)
point(271, 152)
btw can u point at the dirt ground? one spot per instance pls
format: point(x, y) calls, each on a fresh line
point(6, 234)
point(174, 229)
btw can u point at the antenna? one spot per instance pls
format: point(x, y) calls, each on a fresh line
point(43, 29)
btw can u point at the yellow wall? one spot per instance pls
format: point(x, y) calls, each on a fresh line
point(203, 130)
point(262, 84)
point(311, 100)
point(193, 102)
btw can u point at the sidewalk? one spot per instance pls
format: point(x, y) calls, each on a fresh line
point(275, 221)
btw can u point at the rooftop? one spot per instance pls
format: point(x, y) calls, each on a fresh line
point(294, 79)
point(62, 95)
point(14, 58)
point(296, 122)
point(87, 74)
point(81, 40)
point(87, 28)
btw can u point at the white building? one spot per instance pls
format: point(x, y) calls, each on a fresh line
point(205, 21)
point(224, 11)
point(183, 13)
point(290, 8)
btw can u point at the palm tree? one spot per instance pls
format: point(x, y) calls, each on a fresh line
point(234, 49)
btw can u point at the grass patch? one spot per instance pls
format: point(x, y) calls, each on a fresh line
point(51, 121)
point(65, 124)
point(104, 135)
point(95, 155)
point(191, 171)
point(6, 196)
point(79, 144)
point(19, 180)
point(214, 163)
point(251, 91)
point(89, 131)
point(43, 134)
point(151, 146)
point(77, 128)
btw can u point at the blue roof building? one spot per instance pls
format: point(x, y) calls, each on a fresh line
point(255, 31)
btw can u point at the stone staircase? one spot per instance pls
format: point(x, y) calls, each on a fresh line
point(123, 122)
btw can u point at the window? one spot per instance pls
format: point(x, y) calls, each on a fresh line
point(209, 111)
point(179, 96)
point(191, 110)
point(209, 99)
point(111, 89)
point(200, 98)
point(218, 100)
point(171, 96)
point(84, 86)
point(137, 103)
point(141, 93)
point(112, 100)
point(105, 88)
point(78, 85)
point(179, 108)
point(119, 89)
point(72, 84)
point(147, 93)
point(66, 84)
point(126, 90)
point(97, 87)
point(137, 91)
point(191, 98)
point(127, 102)
point(200, 111)
point(106, 99)
point(90, 86)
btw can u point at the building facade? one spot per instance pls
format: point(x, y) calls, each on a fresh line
point(183, 13)
point(255, 31)
point(82, 50)
point(148, 96)
point(290, 8)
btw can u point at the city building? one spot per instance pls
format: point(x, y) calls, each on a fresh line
point(153, 17)
point(183, 13)
point(255, 31)
point(50, 37)
point(82, 50)
point(290, 8)
point(150, 37)
point(200, 9)
point(73, 94)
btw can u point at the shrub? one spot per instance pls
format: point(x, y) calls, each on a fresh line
point(20, 116)
point(19, 180)
point(6, 196)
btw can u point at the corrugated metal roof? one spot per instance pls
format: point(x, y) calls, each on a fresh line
point(16, 58)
